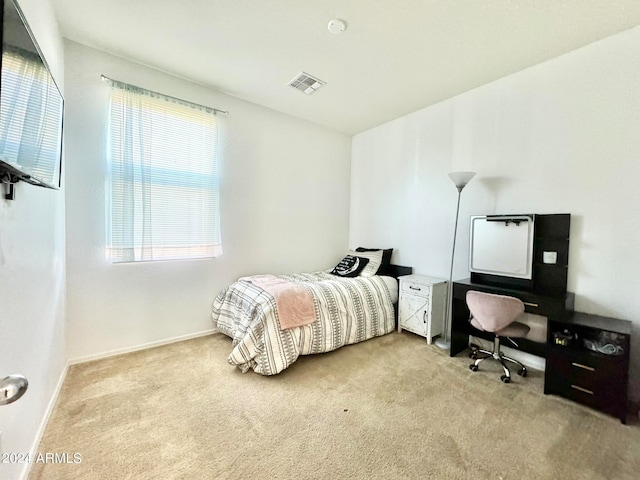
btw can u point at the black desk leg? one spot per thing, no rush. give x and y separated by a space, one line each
459 327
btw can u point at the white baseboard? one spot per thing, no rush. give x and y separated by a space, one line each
43 423
144 346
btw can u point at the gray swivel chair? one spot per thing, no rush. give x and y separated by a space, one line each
496 314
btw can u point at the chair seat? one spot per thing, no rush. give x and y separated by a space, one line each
515 330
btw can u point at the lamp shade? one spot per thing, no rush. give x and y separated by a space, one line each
460 179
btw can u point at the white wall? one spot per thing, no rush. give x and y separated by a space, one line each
284 208
561 137
32 281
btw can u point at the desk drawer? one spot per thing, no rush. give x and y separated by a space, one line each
545 307
593 380
566 358
551 306
607 400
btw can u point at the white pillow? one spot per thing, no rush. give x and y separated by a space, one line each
375 259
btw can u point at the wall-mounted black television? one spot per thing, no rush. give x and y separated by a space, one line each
31 108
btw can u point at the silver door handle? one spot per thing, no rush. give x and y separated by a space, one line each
12 388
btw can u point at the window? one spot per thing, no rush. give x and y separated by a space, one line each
164 184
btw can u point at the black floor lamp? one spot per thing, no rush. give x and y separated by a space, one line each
460 179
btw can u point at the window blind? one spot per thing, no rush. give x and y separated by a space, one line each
164 184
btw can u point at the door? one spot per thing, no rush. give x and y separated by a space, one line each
414 314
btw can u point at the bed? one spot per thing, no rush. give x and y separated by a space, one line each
345 310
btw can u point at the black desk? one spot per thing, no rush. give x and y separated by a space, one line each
574 372
554 307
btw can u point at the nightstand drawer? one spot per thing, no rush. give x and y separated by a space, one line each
415 289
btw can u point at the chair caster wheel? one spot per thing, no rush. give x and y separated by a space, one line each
473 368
505 379
473 355
522 373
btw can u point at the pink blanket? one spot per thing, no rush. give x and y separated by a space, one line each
294 302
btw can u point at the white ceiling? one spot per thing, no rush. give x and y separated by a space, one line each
395 57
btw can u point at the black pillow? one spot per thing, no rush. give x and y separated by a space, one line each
350 266
386 256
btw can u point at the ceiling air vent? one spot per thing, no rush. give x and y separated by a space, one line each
306 83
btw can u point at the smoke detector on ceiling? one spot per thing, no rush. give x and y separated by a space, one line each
306 83
337 26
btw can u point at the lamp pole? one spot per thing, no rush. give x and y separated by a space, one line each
460 179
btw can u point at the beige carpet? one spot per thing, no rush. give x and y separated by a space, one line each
389 408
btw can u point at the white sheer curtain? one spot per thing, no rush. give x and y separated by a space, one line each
164 184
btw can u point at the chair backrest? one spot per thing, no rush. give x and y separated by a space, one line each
493 312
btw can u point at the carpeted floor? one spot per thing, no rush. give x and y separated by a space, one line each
389 408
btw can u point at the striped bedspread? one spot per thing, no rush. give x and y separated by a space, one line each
349 310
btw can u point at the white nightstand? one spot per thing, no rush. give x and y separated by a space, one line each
421 305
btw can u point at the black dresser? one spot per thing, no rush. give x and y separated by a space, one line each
573 371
